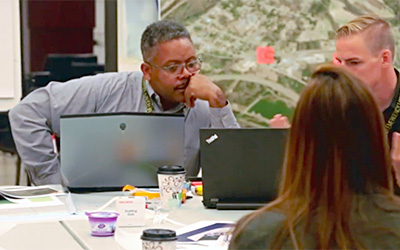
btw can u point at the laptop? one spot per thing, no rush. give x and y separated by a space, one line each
241 166
104 152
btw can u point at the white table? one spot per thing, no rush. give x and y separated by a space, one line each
73 232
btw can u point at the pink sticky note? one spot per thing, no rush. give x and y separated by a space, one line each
335 60
265 55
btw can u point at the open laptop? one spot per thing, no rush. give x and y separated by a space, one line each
240 167
103 152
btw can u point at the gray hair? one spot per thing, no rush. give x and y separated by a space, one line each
159 32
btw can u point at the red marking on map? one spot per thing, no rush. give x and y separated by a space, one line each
265 55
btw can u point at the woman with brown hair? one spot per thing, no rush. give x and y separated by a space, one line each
336 188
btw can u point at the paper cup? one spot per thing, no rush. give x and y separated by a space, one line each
170 182
164 239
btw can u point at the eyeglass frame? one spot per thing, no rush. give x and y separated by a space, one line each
183 65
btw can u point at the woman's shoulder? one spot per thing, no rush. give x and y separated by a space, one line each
271 218
260 230
377 224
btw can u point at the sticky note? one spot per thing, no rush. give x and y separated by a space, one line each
265 55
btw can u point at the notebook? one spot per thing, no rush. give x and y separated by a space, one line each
104 152
240 167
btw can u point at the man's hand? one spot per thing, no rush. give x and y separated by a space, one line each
279 121
396 155
203 88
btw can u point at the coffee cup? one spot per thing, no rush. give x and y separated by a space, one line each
170 182
158 239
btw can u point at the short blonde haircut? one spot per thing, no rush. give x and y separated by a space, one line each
377 32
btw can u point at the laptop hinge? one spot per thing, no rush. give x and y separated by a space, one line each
238 206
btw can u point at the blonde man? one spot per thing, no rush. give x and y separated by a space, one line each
365 46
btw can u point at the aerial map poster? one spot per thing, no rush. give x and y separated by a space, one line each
261 52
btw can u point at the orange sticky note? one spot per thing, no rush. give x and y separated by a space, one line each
265 55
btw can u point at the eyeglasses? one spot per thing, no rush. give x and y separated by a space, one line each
193 66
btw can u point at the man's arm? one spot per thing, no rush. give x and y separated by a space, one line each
396 156
212 110
201 87
37 117
32 137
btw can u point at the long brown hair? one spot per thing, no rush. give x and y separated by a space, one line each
337 149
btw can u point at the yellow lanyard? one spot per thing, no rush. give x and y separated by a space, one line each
149 105
393 116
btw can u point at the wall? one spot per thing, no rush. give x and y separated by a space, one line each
64 27
98 32
10 63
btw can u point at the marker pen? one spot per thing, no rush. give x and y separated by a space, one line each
53 139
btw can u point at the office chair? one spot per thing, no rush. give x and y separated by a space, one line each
60 65
35 80
80 69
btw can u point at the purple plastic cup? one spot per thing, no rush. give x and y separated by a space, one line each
102 223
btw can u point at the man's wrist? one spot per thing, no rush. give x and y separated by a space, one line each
221 100
219 104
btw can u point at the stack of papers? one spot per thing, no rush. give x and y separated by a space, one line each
22 196
205 234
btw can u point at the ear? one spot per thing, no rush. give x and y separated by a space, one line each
146 71
387 58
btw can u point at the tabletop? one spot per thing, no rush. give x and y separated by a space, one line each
54 227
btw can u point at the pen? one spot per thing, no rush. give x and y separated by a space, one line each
70 204
53 139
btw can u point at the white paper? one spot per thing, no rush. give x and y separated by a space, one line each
198 239
28 192
31 202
